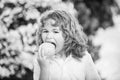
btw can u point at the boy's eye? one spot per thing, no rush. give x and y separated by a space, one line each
56 31
44 31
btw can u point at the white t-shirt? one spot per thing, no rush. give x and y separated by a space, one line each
70 69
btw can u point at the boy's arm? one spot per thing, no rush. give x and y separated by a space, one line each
36 70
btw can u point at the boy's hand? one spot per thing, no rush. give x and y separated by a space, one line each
46 52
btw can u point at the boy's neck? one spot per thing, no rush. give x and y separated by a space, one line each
61 55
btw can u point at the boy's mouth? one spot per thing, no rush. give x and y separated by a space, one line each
51 43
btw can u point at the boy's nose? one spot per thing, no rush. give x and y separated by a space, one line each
50 35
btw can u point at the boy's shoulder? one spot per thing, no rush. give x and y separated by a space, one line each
87 58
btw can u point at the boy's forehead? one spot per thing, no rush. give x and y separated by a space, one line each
50 22
51 27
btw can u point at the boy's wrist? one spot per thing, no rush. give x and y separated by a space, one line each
44 74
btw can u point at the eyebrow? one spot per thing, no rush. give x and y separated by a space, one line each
56 29
44 29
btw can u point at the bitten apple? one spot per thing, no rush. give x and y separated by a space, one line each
46 50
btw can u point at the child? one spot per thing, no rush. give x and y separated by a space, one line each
62 49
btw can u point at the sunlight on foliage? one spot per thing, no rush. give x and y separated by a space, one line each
109 62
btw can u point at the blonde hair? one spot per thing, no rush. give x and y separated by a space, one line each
75 38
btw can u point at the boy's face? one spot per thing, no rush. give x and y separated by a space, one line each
53 34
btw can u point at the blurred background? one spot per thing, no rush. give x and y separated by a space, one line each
18 23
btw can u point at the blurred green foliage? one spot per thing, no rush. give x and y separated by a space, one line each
93 14
18 24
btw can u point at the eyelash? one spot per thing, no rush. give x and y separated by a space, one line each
44 31
56 32
48 31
